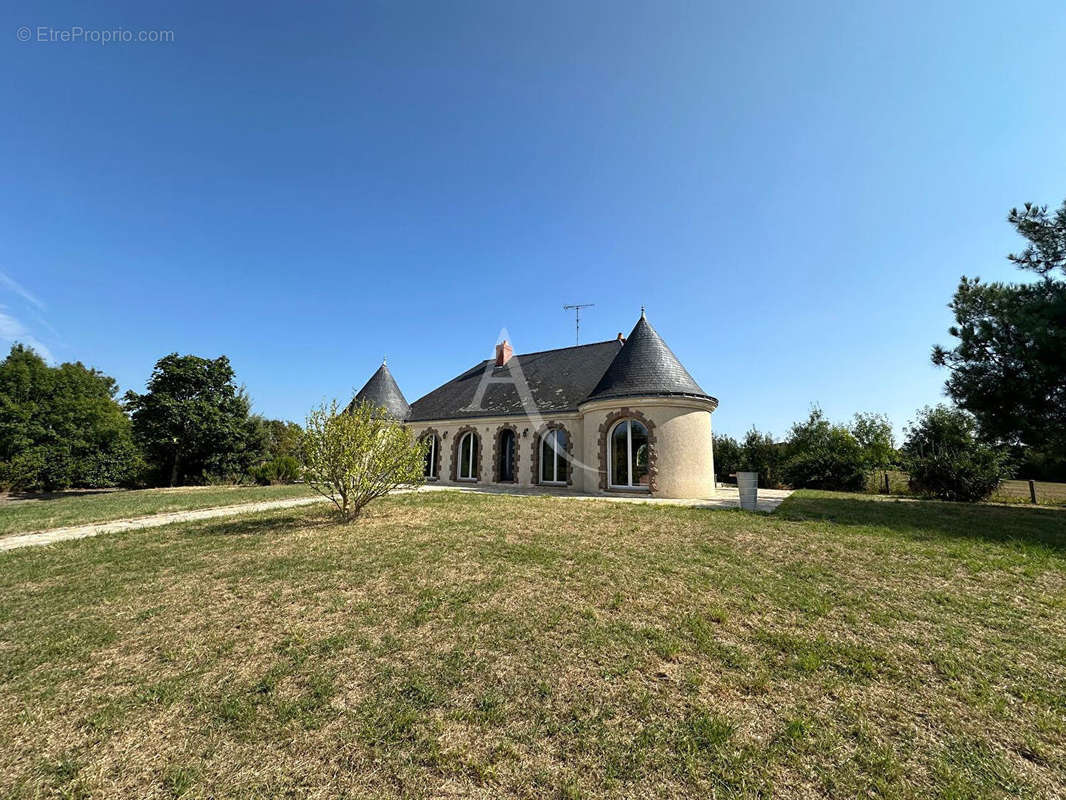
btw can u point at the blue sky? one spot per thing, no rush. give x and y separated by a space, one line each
792 190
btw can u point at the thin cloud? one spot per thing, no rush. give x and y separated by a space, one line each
43 322
11 331
20 290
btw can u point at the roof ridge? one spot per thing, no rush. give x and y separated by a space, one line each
537 353
557 379
557 349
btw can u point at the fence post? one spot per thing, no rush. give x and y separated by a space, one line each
1032 491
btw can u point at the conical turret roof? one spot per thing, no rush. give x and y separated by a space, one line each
645 366
382 390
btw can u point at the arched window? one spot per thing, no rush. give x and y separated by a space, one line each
468 455
553 456
628 455
432 467
505 454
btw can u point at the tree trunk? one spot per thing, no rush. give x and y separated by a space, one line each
174 469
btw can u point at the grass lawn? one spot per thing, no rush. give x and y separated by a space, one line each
34 515
451 644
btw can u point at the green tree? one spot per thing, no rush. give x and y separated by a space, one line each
193 421
873 432
946 459
1009 366
727 455
759 453
821 455
61 427
355 456
281 438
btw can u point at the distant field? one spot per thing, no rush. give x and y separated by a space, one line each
20 516
1047 494
457 645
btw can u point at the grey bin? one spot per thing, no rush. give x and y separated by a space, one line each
748 484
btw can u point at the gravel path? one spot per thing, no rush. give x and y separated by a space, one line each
154 521
769 499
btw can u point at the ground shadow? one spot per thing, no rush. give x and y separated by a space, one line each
19 497
259 524
923 519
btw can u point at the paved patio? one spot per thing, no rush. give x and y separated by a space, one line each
725 496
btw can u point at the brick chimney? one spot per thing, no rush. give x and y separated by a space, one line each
504 351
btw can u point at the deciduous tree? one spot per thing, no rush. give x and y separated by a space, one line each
874 434
193 420
61 427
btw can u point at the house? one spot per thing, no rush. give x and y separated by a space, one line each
621 416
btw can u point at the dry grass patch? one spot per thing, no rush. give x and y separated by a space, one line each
42 512
1048 494
463 645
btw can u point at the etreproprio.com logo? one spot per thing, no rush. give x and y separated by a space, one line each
76 34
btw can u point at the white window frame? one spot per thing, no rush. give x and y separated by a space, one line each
432 475
553 436
630 486
472 477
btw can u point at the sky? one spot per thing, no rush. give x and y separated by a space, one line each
793 190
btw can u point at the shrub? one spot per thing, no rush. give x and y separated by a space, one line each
759 453
727 456
229 478
823 456
355 456
283 469
946 460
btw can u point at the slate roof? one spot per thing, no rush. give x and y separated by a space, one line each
381 390
561 380
558 380
644 367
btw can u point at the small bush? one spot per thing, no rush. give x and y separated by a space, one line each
283 469
759 453
222 479
727 456
947 461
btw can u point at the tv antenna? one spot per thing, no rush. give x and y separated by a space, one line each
576 308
